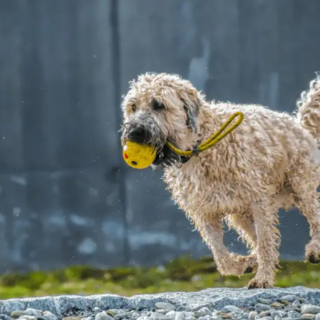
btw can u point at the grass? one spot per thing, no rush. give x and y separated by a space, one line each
183 274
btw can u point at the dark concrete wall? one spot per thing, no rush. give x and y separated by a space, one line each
65 195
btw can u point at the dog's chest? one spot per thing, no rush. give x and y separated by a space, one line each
197 191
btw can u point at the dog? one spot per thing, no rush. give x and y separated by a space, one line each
270 161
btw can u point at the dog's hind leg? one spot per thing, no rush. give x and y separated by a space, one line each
307 201
310 207
227 263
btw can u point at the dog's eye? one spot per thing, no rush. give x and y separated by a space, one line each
156 105
134 108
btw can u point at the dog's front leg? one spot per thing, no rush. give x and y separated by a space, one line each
265 217
227 263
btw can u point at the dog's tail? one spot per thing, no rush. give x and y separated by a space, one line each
309 108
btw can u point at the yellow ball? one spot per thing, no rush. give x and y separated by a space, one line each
138 156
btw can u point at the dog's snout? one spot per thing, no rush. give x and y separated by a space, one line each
138 134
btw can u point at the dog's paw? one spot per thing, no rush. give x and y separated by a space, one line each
260 283
313 252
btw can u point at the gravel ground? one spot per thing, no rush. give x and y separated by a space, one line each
212 304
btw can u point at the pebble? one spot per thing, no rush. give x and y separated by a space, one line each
232 309
27 317
294 314
103 316
289 298
47 315
309 308
171 314
318 316
264 314
253 315
296 303
266 318
17 314
262 307
4 317
180 316
309 316
165 306
277 305
33 312
264 301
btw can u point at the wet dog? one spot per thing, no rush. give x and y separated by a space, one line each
270 161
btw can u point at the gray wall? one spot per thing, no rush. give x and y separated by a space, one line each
65 195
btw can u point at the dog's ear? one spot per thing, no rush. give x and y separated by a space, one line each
191 104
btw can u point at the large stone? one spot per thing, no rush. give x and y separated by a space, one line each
213 299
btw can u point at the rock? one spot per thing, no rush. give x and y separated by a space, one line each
17 314
264 314
171 314
264 301
253 315
308 316
262 307
232 309
318 316
5 317
159 316
96 309
294 314
72 318
309 308
27 317
47 315
33 312
225 315
103 316
296 303
135 315
289 298
179 316
122 315
165 306
203 312
266 318
277 305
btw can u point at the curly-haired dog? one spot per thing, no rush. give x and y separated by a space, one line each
270 161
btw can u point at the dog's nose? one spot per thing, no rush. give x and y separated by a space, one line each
138 135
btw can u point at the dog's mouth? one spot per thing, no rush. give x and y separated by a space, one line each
165 158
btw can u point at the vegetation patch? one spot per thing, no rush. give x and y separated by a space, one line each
182 274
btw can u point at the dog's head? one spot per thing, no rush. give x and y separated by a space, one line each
160 108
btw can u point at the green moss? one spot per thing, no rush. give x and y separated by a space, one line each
182 274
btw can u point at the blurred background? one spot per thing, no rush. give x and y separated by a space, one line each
66 196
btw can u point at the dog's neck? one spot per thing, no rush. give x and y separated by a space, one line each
208 123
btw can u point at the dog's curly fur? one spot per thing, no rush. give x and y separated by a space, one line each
270 161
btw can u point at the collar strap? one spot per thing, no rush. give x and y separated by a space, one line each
214 139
